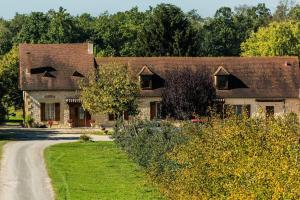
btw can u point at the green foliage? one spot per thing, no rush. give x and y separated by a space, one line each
147 143
85 138
28 121
34 29
277 39
235 158
10 94
116 35
167 31
5 37
110 89
62 27
238 158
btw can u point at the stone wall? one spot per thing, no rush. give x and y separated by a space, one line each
286 106
33 99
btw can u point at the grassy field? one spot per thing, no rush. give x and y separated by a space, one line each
93 171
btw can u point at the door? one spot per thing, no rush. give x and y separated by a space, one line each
79 116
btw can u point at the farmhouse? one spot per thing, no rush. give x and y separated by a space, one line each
49 75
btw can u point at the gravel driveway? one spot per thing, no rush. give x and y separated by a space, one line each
23 174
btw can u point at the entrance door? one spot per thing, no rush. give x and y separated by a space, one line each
79 116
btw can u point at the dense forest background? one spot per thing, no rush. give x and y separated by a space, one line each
164 30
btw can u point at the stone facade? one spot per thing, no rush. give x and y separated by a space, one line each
33 100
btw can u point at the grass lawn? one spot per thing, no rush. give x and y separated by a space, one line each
99 170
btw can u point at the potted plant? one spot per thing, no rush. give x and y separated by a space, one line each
70 122
92 122
50 123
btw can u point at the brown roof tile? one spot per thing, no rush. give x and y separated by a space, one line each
264 77
36 60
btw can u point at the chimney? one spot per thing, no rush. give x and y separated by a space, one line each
28 63
90 48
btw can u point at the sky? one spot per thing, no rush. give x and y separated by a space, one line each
205 8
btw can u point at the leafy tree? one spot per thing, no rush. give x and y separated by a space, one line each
85 24
115 35
34 29
110 89
220 34
277 39
62 27
294 13
249 19
10 95
187 93
282 11
167 31
5 37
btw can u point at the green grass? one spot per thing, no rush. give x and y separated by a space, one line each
99 170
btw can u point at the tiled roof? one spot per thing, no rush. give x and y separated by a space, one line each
263 77
60 66
51 66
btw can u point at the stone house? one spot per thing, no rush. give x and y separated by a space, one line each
49 75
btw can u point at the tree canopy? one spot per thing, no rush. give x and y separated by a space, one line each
110 90
277 39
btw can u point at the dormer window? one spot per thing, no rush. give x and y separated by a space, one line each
146 78
146 81
222 82
221 78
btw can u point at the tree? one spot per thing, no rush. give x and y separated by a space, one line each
116 35
167 31
220 34
34 29
5 37
282 10
248 19
277 39
187 93
110 90
294 13
62 27
10 95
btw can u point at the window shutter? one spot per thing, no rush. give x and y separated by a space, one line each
43 112
111 117
248 110
126 115
57 111
152 110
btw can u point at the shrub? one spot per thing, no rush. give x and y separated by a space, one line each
28 121
85 138
238 158
147 142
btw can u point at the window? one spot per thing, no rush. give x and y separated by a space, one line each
155 110
270 111
242 109
238 110
50 111
146 81
222 82
81 113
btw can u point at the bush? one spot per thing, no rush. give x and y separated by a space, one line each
147 142
28 121
238 158
85 138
